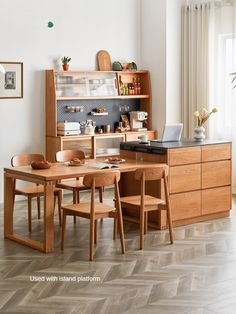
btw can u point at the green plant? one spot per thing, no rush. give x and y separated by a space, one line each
65 60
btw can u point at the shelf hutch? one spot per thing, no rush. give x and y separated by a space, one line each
89 90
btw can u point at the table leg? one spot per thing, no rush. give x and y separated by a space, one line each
49 216
8 204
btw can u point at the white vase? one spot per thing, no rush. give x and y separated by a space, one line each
199 134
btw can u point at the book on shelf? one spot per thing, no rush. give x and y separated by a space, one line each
103 165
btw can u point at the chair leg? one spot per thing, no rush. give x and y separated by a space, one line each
146 222
95 232
29 214
115 228
141 229
100 195
74 202
38 206
170 224
78 196
59 200
121 229
91 248
63 230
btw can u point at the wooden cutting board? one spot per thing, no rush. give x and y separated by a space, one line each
104 60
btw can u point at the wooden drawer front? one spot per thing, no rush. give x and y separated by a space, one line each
216 173
185 178
216 200
216 152
183 156
152 135
185 205
134 136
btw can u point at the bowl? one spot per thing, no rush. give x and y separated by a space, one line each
44 164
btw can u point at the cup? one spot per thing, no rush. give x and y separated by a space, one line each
107 128
143 138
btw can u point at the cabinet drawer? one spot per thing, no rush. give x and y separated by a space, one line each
135 136
216 200
185 178
183 156
216 173
185 205
216 152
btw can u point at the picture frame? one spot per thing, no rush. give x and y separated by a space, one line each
11 80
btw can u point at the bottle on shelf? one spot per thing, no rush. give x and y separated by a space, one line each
138 86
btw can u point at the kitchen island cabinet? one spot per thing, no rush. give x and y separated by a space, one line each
199 179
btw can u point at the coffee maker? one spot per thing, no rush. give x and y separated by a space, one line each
136 120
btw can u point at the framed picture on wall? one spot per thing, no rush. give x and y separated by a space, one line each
11 79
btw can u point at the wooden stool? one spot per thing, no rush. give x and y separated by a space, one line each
145 203
94 210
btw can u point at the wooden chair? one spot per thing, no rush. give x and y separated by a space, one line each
75 185
145 203
33 190
94 210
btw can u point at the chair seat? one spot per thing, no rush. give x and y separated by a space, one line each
35 190
72 184
151 202
84 208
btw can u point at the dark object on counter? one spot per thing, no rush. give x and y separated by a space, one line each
128 66
117 66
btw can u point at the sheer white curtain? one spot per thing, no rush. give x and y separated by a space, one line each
195 46
222 62
209 29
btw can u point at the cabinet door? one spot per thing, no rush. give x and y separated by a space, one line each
185 205
184 156
84 144
108 145
216 173
185 178
84 84
216 200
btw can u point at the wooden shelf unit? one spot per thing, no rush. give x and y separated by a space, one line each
72 79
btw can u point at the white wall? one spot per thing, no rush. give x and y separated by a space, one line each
153 55
173 57
161 54
82 27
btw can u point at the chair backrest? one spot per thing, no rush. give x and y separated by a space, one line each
151 173
68 155
101 179
25 159
155 173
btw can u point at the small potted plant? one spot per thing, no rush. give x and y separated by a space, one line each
65 63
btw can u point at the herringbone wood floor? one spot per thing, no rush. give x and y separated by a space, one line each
195 275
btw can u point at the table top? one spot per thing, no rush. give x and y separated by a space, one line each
62 171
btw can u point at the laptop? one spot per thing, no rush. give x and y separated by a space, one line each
171 133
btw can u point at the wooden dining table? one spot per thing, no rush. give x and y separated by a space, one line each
48 178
